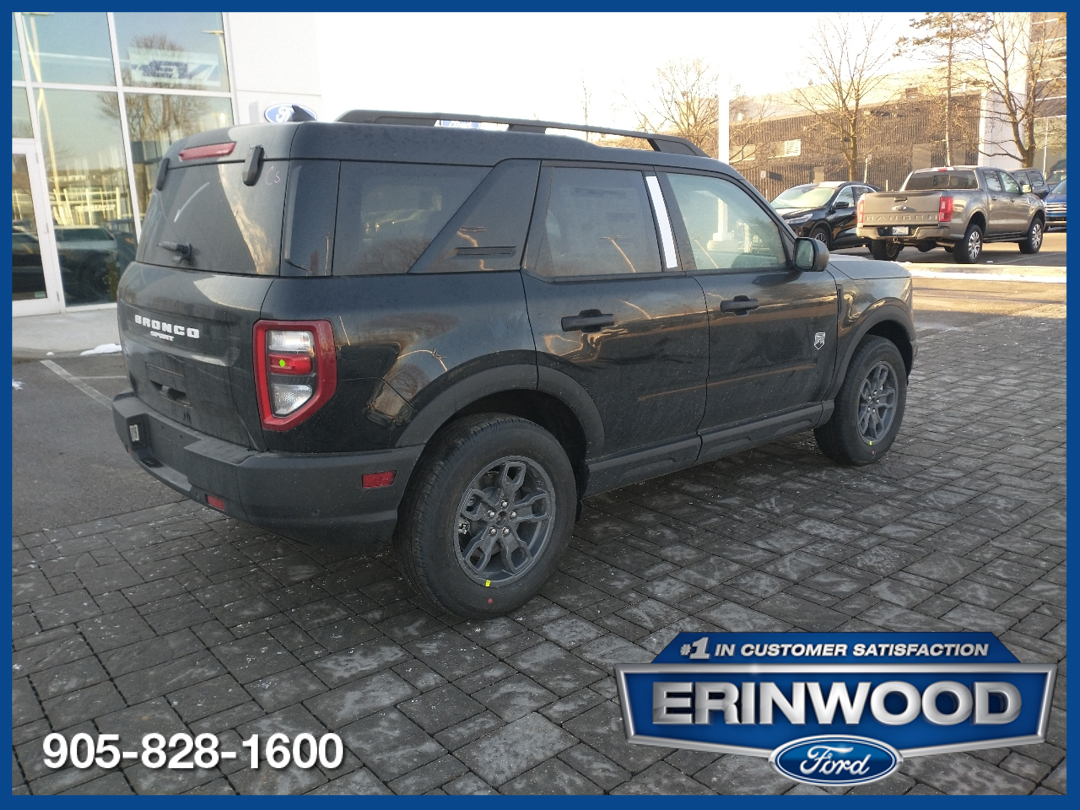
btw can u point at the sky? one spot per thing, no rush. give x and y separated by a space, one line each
481 63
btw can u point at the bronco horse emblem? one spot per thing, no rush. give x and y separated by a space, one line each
819 340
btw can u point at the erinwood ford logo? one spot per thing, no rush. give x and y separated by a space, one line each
836 708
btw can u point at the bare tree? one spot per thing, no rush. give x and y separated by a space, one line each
847 58
948 37
683 102
1023 66
747 114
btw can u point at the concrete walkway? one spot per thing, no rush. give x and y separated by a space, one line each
73 333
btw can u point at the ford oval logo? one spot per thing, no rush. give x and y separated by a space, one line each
835 760
282 113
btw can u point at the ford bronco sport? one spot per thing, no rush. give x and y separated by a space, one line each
382 330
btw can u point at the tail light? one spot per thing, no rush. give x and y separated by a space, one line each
861 211
945 209
295 370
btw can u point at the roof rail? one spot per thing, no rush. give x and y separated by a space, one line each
659 143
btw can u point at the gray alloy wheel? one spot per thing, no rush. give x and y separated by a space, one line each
877 403
504 520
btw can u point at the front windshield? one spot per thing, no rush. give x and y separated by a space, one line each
1059 188
804 197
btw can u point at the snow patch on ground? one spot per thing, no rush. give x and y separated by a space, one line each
104 348
16 385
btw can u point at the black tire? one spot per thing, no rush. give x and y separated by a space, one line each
1034 239
869 407
884 251
467 484
969 250
821 234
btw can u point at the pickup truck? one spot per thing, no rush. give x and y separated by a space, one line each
955 207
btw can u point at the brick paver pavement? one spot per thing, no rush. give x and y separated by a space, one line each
176 618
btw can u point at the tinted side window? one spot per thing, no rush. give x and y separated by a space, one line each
388 213
1011 185
846 195
310 204
488 232
598 222
993 181
725 225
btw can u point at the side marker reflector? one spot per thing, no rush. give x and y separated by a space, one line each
379 479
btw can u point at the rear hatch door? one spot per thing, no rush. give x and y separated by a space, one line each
210 249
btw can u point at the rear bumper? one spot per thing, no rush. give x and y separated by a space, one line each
316 498
919 233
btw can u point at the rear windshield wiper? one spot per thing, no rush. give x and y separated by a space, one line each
182 250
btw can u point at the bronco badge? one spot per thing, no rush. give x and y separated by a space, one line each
819 340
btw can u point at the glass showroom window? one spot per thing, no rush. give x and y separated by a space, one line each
16 53
69 47
156 121
88 190
94 79
20 114
177 51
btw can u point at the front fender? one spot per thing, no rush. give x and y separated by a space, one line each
891 317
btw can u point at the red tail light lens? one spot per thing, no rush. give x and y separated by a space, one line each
295 370
945 209
861 211
211 151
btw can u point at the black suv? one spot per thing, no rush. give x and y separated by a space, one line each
824 211
383 330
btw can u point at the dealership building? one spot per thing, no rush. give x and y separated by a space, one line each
96 100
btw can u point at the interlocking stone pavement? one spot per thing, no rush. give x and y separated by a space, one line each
177 618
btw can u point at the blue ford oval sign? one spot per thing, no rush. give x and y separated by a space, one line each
835 760
283 113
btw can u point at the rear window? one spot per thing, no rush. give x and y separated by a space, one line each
230 227
388 213
928 181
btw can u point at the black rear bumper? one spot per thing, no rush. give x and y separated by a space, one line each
316 498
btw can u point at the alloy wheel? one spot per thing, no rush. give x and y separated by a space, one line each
504 520
877 403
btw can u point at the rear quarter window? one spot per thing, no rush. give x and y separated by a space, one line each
388 213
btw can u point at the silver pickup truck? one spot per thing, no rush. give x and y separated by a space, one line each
954 207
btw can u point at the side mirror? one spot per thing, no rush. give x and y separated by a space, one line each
841 204
810 255
1025 188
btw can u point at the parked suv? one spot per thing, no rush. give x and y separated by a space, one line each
824 211
379 330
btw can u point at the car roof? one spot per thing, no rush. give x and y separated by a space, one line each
396 142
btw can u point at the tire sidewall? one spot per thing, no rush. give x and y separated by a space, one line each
874 350
436 522
821 230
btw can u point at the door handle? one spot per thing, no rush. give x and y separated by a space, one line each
588 320
740 305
